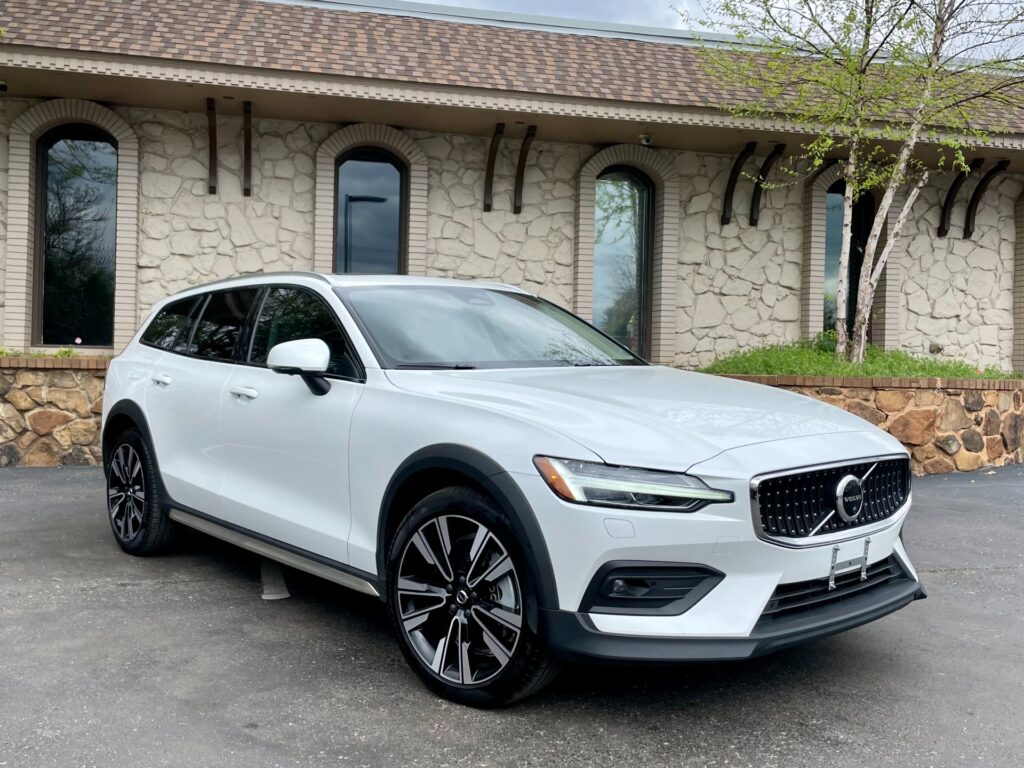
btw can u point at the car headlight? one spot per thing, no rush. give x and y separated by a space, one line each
603 485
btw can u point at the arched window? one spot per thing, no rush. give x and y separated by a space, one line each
863 216
75 253
371 204
623 228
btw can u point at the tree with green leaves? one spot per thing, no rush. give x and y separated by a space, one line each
895 89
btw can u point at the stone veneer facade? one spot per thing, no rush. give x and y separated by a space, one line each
735 286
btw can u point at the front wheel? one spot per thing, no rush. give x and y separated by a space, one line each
137 518
457 596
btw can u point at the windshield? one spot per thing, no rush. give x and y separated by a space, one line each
428 326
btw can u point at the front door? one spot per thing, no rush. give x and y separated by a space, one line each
286 449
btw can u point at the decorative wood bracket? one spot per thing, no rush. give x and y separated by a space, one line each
734 174
762 176
247 148
972 206
211 127
951 193
492 155
524 150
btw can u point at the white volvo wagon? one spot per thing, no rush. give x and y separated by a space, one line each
518 488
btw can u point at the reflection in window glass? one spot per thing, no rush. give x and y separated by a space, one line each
221 322
289 314
468 326
369 213
621 237
165 326
863 213
79 198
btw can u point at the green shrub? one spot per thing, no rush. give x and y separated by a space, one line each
816 357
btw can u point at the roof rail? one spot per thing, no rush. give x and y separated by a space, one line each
283 273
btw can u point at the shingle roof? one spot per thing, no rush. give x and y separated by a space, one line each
288 37
321 41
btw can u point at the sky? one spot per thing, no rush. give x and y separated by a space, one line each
650 13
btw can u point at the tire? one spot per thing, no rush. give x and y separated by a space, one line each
457 577
134 504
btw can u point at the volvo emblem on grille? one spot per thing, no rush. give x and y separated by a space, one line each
849 498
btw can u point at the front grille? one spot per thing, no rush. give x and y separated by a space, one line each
803 596
793 505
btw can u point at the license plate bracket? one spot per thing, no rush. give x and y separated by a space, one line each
840 568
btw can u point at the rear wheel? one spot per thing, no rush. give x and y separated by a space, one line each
140 524
457 595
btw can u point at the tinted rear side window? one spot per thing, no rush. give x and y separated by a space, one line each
168 323
220 324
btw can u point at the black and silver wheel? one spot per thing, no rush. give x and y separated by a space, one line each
458 596
137 519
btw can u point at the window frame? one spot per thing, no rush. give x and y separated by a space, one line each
370 153
253 320
63 132
645 270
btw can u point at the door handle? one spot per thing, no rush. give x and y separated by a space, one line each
244 393
162 380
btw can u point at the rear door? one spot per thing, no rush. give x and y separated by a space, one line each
183 400
286 449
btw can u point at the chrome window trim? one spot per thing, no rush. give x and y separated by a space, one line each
827 539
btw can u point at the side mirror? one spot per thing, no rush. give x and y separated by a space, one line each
307 358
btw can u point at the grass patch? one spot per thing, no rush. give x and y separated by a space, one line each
817 358
62 352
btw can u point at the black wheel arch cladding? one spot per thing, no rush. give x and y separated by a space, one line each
488 475
121 413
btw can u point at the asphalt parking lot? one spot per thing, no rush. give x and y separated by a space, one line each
108 660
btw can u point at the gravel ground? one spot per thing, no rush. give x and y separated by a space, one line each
108 660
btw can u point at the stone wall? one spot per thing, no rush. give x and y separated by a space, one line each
739 286
948 425
532 249
50 411
957 293
189 236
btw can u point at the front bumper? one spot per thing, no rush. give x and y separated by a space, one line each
731 621
573 637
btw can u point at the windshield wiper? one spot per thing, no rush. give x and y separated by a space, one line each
593 365
436 367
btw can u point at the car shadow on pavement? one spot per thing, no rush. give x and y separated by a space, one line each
851 662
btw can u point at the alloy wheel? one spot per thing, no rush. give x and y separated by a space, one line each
126 492
459 600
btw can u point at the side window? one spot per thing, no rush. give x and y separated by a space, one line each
220 324
165 326
289 314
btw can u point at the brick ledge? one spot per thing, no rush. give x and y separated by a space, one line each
55 363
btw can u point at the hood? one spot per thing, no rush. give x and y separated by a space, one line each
648 416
